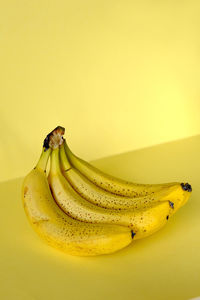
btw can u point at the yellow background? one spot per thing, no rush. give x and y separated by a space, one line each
119 76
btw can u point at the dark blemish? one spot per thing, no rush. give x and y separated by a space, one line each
167 217
171 204
132 234
67 169
186 187
45 171
145 230
34 168
46 141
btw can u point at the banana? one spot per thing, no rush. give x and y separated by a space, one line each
61 231
105 199
143 222
116 185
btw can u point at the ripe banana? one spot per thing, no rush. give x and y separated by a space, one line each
61 231
116 185
143 222
105 199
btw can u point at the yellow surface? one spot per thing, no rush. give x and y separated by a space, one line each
119 75
162 267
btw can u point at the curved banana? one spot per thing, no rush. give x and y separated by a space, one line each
61 231
105 199
143 222
116 185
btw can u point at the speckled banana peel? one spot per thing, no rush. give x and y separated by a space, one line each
143 221
115 185
58 229
84 212
100 197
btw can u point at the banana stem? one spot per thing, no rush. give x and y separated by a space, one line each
55 162
68 151
65 164
55 138
43 160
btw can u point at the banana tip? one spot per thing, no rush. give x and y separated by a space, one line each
186 187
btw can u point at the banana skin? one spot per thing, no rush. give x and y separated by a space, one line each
98 196
116 185
58 229
93 213
143 222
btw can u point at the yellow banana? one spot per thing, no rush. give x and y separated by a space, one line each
116 185
105 199
144 222
61 231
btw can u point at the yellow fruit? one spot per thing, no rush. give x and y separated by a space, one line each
116 185
96 195
61 231
143 221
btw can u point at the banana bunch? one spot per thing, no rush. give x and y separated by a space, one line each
83 211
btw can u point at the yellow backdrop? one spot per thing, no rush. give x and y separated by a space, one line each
119 75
